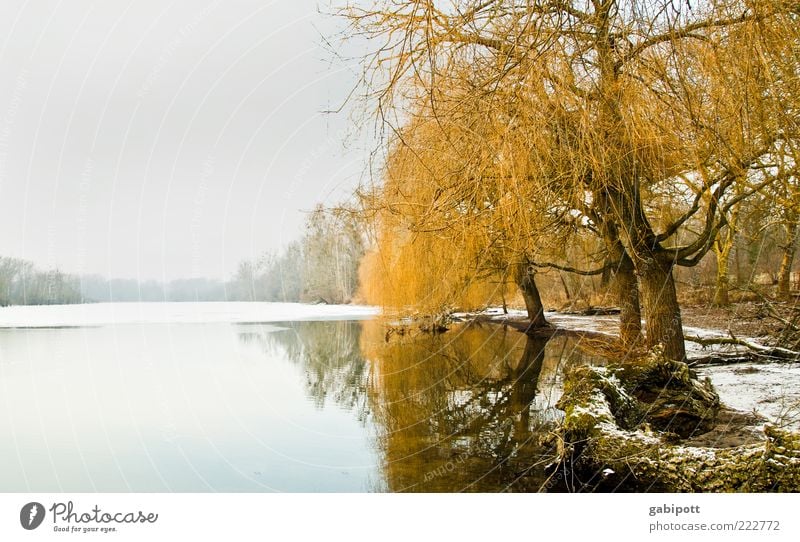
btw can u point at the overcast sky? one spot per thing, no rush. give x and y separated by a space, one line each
158 139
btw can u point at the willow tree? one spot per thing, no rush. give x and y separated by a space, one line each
459 189
433 250
629 99
421 262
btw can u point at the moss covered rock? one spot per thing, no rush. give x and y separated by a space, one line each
622 422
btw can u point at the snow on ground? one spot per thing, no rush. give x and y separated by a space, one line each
769 389
100 314
599 324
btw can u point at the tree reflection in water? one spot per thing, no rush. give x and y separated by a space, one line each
329 355
466 410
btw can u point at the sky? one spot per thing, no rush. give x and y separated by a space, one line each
151 139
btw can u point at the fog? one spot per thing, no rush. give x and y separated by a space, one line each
151 140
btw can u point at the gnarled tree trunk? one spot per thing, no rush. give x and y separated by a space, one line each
630 318
626 284
661 310
524 276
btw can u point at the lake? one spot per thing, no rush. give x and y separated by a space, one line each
253 397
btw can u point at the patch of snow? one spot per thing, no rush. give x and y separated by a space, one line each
608 324
101 314
493 312
460 398
770 389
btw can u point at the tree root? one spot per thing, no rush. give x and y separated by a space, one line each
620 429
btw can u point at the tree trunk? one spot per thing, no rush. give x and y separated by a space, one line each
566 288
630 317
723 245
524 276
605 277
722 283
662 312
789 249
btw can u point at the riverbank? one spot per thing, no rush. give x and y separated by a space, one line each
755 393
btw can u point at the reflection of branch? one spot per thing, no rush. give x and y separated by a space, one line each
523 379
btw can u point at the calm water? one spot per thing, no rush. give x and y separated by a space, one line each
234 405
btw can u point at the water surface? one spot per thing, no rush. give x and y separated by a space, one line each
324 401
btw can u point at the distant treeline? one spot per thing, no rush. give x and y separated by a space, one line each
320 267
22 283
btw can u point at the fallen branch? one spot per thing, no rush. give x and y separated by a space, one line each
728 359
768 351
594 311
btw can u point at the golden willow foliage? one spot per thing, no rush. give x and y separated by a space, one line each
423 275
458 208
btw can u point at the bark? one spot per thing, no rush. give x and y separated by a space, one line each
630 318
787 260
605 445
525 279
662 312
